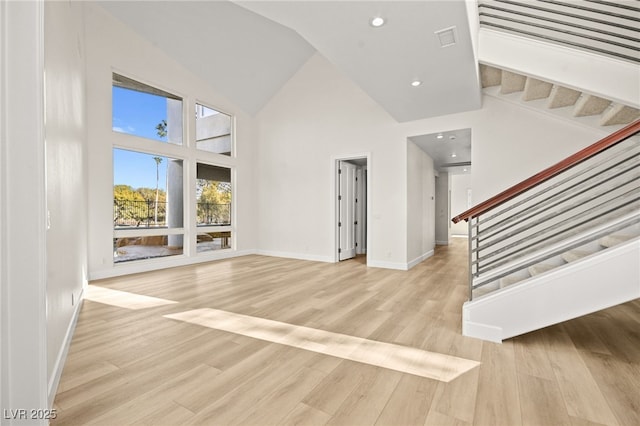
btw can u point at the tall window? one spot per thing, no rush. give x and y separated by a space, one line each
152 213
213 207
148 199
147 195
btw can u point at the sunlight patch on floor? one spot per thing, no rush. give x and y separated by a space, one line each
405 359
123 299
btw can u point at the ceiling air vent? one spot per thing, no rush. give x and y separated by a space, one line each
447 36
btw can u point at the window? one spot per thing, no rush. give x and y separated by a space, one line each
213 130
213 207
144 111
143 247
147 194
153 215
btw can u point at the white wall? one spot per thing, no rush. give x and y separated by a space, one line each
520 144
65 135
111 46
23 350
318 116
442 207
460 185
420 205
510 143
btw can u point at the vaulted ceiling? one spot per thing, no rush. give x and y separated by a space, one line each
247 50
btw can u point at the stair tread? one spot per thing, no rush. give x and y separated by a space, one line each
536 89
620 114
590 105
512 82
540 268
562 97
510 280
573 255
568 103
490 76
485 289
612 240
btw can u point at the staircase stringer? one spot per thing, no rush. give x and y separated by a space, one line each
606 279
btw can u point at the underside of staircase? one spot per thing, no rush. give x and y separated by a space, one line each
555 99
550 294
592 30
581 279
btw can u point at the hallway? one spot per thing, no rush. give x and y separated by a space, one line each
129 364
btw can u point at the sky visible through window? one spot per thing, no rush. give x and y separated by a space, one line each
138 170
138 113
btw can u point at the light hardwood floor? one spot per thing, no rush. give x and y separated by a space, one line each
135 366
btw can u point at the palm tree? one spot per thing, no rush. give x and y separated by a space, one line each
161 130
158 160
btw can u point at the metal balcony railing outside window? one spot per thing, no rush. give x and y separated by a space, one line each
143 214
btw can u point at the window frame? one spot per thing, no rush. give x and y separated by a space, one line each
190 156
158 92
216 228
232 129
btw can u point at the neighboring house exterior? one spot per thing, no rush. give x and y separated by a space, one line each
287 149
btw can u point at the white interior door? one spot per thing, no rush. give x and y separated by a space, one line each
361 210
347 210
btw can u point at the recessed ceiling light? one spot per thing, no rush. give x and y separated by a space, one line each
452 137
464 170
439 136
453 155
416 83
377 21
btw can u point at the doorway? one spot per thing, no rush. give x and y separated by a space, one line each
351 186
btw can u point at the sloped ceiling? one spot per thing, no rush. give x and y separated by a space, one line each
242 55
247 50
384 61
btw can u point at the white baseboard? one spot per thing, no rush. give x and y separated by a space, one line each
54 379
298 256
162 263
419 259
387 265
165 262
442 243
370 263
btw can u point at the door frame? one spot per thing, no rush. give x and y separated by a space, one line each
334 198
347 212
26 381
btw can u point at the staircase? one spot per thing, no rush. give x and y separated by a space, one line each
599 28
584 253
555 99
561 244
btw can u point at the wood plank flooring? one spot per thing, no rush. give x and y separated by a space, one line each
131 365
